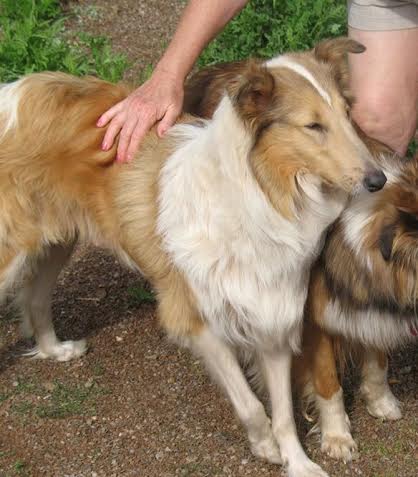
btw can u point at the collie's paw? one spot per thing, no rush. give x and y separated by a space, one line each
385 407
304 467
60 351
339 446
267 449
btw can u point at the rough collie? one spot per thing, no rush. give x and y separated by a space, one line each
225 217
364 288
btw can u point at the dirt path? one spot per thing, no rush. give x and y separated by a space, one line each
136 405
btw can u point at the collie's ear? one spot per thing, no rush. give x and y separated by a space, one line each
386 238
254 95
335 49
204 90
335 53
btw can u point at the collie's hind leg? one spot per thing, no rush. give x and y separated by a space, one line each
277 370
224 367
336 439
35 302
380 401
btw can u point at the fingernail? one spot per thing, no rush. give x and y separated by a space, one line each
129 157
99 123
105 146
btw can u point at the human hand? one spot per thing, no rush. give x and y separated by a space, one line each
158 99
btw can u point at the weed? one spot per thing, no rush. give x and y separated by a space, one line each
61 401
33 38
67 400
266 28
23 408
412 149
139 295
99 370
4 397
20 467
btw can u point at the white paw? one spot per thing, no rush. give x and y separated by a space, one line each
340 446
60 351
267 449
385 407
304 467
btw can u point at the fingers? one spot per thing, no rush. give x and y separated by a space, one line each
140 118
137 136
168 120
110 114
115 116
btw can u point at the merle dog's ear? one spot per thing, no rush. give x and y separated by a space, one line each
254 94
335 53
386 238
410 220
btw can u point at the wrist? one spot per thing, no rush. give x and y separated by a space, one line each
172 71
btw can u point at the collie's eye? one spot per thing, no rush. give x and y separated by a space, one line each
315 127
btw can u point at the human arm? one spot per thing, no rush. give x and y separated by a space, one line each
161 97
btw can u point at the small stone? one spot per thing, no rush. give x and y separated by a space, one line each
406 370
119 339
101 294
159 455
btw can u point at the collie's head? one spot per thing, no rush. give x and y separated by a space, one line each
297 108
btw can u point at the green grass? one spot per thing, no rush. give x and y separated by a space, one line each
266 28
66 400
33 38
138 295
61 400
20 467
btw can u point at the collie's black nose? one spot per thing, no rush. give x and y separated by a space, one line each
374 180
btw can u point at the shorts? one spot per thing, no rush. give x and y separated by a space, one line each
383 15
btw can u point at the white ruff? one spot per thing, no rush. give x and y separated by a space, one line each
10 95
247 265
286 62
371 328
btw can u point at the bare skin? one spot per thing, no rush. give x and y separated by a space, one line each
160 99
384 80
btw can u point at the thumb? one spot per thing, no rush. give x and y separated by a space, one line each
167 121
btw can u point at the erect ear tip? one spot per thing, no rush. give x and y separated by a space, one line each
334 47
356 47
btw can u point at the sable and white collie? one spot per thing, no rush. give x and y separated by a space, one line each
363 295
363 302
225 217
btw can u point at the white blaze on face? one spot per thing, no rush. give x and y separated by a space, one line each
286 62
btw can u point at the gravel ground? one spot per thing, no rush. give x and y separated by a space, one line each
136 405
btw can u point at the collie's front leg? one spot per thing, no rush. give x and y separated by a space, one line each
224 367
277 367
380 401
